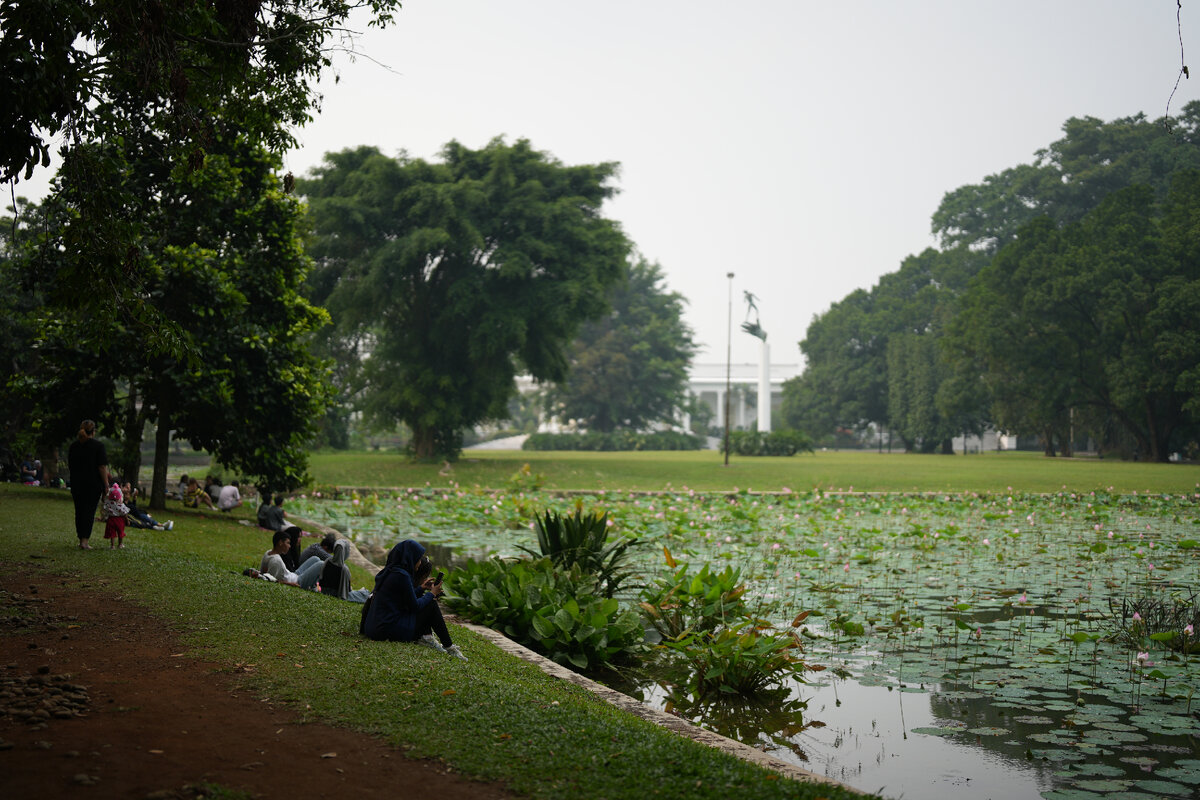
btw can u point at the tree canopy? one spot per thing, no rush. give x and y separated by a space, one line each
162 271
629 369
448 278
1056 305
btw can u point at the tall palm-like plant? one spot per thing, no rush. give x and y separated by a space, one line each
582 540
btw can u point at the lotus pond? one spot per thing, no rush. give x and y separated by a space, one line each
985 645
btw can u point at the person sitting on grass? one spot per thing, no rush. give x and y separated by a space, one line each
322 549
229 498
273 564
404 606
138 518
335 575
274 518
194 498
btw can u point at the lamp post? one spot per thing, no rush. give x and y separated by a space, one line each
728 362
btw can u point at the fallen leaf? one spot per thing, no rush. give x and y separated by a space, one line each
448 692
157 752
328 755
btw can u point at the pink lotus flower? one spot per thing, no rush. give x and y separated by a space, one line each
1137 617
1022 599
1187 629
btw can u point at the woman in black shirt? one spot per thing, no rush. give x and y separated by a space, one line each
88 462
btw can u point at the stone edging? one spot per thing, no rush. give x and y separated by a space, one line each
677 725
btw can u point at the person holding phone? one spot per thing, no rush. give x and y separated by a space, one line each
404 606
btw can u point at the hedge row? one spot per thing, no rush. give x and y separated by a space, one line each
617 440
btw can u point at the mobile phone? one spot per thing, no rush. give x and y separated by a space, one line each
437 581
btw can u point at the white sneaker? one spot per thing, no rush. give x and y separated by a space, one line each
455 651
168 525
429 641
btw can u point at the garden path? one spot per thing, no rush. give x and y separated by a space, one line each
95 692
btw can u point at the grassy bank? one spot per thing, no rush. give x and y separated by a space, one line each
496 717
704 471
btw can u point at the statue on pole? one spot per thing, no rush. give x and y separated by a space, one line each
753 328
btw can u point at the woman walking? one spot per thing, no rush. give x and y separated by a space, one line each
88 462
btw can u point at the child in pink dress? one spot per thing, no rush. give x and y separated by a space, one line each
115 511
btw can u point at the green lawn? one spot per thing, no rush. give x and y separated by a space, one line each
704 471
496 717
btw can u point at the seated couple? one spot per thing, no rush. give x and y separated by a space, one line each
404 606
331 574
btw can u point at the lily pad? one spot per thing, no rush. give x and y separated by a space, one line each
933 731
986 731
1164 787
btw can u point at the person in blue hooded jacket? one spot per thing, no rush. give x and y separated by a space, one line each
404 605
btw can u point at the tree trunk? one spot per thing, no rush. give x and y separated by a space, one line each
948 446
130 452
1154 438
423 443
162 450
1048 443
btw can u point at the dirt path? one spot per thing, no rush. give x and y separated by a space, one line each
97 700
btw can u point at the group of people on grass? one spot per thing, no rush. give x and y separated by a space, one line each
403 607
213 495
93 484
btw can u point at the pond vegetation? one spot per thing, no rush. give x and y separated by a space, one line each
1050 637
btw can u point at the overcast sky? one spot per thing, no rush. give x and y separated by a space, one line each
801 145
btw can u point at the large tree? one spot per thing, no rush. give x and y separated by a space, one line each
629 369
226 269
169 273
1095 315
167 80
456 275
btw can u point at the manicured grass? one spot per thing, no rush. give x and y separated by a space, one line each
704 471
496 717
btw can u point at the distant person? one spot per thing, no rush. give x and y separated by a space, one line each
404 606
212 487
272 564
229 497
139 518
115 512
322 549
193 497
27 473
181 490
88 462
274 518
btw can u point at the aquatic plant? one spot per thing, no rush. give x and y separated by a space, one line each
581 540
556 612
682 602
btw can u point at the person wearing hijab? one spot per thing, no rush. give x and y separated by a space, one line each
88 461
404 605
335 575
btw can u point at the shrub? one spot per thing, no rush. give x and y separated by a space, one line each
775 443
740 659
581 541
526 480
617 440
684 603
556 612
